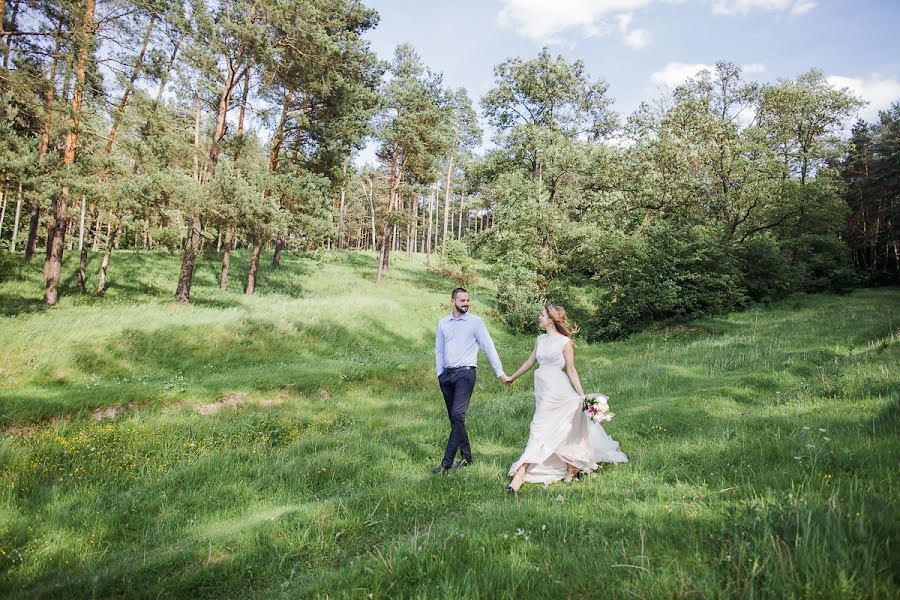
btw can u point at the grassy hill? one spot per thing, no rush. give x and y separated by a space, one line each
281 445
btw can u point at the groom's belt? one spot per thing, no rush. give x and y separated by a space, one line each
466 368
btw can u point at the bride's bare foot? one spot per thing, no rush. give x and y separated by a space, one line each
571 473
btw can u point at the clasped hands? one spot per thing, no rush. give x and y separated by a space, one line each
506 380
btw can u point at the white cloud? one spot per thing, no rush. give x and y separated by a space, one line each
634 38
879 92
801 8
743 7
676 73
543 20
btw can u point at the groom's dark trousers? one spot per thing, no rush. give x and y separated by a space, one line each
457 385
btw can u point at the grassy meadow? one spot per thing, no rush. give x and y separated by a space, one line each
281 445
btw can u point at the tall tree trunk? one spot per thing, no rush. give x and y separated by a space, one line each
81 224
240 129
192 243
196 154
274 158
82 269
3 195
83 258
171 67
219 131
15 231
60 210
129 88
371 193
446 207
226 260
234 73
49 97
34 221
254 267
9 40
431 202
95 238
185 278
411 242
340 236
396 173
279 246
82 249
110 243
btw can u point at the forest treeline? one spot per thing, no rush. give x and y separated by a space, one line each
200 127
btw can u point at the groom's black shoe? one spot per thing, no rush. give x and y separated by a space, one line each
440 470
463 462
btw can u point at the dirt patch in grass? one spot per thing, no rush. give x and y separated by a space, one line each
26 429
234 400
113 411
19 430
230 400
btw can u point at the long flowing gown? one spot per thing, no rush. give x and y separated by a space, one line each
560 431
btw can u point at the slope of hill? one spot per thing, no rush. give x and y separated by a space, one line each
281 445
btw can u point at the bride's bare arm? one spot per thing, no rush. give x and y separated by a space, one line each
569 354
525 365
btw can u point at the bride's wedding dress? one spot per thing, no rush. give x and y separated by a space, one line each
560 431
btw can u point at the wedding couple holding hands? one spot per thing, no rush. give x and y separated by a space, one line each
564 440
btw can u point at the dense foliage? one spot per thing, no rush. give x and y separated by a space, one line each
204 127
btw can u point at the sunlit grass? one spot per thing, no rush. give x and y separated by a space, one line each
280 445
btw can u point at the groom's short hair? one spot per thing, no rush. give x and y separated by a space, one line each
457 292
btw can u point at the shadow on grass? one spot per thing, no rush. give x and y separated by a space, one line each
14 305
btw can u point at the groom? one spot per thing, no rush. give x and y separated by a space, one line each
459 336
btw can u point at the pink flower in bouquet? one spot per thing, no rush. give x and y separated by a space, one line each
597 407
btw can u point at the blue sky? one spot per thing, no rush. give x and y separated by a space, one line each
643 47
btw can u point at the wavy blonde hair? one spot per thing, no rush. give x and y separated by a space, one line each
558 315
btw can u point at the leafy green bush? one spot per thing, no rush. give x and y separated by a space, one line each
766 274
519 298
456 253
823 263
168 238
457 265
666 274
9 266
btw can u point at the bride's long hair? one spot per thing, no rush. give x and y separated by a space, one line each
561 320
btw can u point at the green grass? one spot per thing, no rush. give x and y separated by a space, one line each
763 446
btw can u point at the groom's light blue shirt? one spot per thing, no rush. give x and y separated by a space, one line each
457 343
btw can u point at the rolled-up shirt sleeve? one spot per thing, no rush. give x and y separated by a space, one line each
487 344
439 350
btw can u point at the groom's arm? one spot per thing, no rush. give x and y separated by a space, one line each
439 351
487 344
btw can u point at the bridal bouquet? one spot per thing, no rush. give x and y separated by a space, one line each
597 407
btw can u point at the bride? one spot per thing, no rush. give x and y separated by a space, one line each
563 441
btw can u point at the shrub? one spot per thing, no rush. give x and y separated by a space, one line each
456 253
9 266
823 263
168 238
519 298
766 274
666 274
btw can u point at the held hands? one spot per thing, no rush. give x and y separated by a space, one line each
506 380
